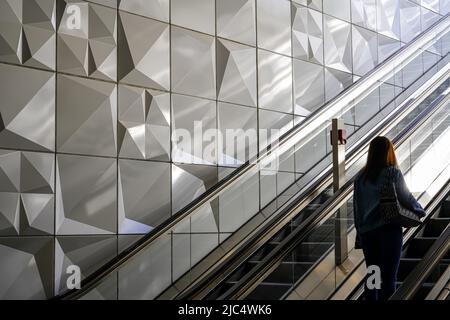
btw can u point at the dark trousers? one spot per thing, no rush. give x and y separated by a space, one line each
382 247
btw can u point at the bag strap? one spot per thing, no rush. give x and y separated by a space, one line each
390 174
387 186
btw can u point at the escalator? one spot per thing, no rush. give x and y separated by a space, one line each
297 255
297 210
425 242
441 287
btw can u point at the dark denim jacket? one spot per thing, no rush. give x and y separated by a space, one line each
366 199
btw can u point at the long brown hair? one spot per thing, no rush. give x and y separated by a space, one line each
381 155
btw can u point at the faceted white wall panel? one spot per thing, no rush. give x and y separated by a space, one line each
191 117
87 116
335 82
274 26
144 52
25 38
91 50
365 53
409 20
86 195
236 73
27 109
388 18
156 9
237 123
309 87
194 14
144 195
95 121
307 34
364 13
193 70
275 81
144 124
338 44
236 20
339 9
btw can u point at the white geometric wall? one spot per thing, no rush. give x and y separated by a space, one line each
86 115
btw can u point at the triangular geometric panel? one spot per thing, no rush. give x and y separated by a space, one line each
28 35
144 195
11 30
87 116
26 193
157 142
365 50
86 194
190 116
309 87
9 171
335 82
27 112
37 214
37 173
193 70
388 18
307 34
144 116
144 52
92 50
239 128
236 73
9 213
338 44
72 54
190 181
34 113
155 9
88 253
236 20
26 267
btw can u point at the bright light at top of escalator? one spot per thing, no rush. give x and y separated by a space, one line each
430 165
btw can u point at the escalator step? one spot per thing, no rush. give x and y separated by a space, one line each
407 265
437 272
269 291
288 272
242 271
305 213
418 247
265 250
324 233
405 268
310 251
218 291
435 227
445 209
423 291
282 234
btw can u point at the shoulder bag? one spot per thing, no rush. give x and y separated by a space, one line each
391 209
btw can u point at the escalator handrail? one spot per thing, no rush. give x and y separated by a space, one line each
247 283
298 136
441 289
355 152
420 273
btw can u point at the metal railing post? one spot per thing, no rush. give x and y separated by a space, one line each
338 141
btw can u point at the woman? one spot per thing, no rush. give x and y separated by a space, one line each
381 242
